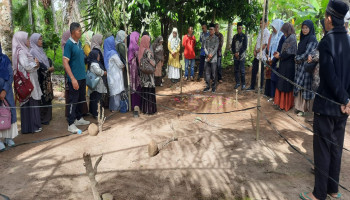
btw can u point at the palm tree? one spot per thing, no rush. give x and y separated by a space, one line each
6 26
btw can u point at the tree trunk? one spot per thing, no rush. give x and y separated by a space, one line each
30 15
54 15
229 36
6 26
214 16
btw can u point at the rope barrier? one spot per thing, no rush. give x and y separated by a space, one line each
189 112
300 87
307 128
299 152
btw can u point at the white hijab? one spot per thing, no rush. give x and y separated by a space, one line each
174 41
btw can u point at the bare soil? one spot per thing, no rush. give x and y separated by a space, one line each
215 157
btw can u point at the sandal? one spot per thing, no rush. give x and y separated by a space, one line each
337 197
304 196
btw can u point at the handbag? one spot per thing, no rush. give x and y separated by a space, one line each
124 103
5 116
145 66
22 85
92 79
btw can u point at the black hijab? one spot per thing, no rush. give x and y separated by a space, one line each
4 64
306 39
92 58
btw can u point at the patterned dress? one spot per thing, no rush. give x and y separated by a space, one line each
148 87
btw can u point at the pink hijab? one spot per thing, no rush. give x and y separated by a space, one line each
133 46
145 44
19 41
65 38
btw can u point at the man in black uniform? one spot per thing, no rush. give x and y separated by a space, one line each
330 118
239 47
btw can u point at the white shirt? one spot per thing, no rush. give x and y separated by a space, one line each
115 75
266 37
27 67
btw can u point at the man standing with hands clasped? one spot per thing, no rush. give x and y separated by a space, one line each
239 47
211 47
73 61
330 118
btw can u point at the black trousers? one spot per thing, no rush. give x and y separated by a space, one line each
75 96
255 72
240 71
201 66
219 69
95 98
211 73
327 156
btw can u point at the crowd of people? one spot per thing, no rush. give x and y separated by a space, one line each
98 68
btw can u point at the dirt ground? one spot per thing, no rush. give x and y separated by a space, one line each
215 157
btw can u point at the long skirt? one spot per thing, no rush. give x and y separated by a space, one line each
268 88
10 133
174 73
30 117
114 103
148 100
302 104
284 100
136 98
46 113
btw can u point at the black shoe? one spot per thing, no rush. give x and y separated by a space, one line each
206 89
173 80
250 89
45 123
243 87
237 86
213 90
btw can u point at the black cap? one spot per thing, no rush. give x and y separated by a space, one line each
239 24
211 25
337 8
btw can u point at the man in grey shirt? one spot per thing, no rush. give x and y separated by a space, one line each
211 47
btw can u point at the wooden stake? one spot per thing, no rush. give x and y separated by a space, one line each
100 117
181 80
126 53
236 103
259 79
91 173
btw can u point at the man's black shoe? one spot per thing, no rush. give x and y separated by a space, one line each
206 89
250 89
237 86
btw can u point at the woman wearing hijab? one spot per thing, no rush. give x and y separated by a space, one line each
30 115
158 51
96 44
135 83
308 43
87 46
6 93
174 56
120 46
87 49
95 94
148 87
65 38
284 97
114 67
44 74
313 66
275 44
